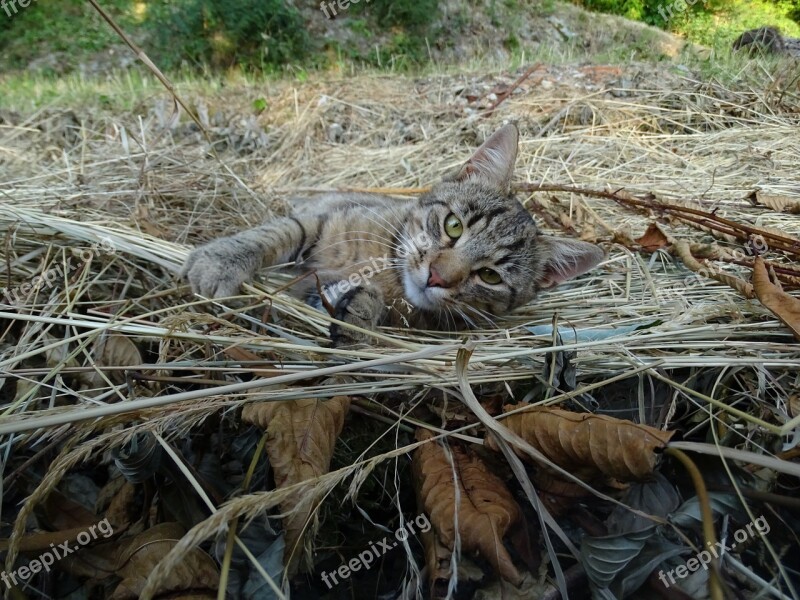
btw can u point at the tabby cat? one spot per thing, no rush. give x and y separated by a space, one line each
463 253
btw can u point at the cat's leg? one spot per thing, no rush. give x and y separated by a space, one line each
362 306
219 268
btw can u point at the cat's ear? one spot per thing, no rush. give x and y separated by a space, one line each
566 258
493 162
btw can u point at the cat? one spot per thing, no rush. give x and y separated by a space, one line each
465 252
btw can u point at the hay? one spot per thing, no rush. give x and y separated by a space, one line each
71 180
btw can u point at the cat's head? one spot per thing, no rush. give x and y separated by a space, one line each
473 244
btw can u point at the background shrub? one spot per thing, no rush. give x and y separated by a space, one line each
224 33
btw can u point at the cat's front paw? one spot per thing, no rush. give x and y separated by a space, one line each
362 307
218 269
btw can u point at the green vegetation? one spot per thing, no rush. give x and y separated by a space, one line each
51 27
260 34
709 22
265 36
254 35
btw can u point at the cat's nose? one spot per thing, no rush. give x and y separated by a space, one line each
436 280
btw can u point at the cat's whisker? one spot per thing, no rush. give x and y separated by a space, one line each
394 228
481 313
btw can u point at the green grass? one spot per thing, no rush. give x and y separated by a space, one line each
71 27
719 29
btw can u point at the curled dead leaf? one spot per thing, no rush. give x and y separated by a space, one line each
588 445
653 239
684 252
113 350
778 202
301 435
558 495
196 572
485 511
782 305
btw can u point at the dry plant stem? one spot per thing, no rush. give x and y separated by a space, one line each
778 242
233 525
62 418
151 585
177 100
505 95
789 502
714 582
681 248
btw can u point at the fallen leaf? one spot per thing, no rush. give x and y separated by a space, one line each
558 495
783 306
115 350
301 435
486 510
653 239
778 202
588 445
196 572
683 251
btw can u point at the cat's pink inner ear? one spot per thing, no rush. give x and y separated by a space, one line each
565 259
493 162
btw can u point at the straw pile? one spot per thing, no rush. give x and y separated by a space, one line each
111 203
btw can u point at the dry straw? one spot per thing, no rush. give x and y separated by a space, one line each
73 180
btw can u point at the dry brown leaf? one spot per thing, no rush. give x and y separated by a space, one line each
116 350
301 435
486 508
124 506
784 306
59 355
59 512
794 405
778 202
196 571
683 250
588 445
653 239
558 496
438 560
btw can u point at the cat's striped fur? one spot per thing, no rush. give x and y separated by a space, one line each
465 252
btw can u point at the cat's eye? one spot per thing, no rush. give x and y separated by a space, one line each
453 226
489 276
